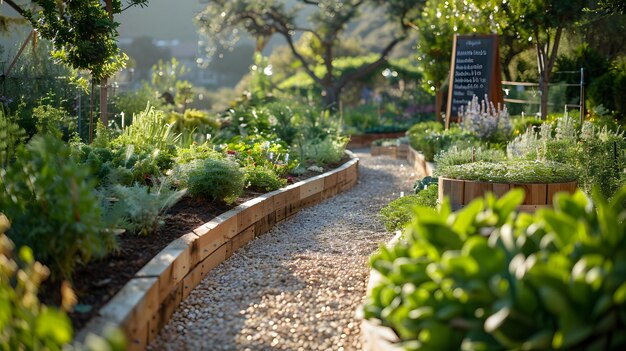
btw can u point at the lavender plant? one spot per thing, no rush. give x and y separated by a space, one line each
485 120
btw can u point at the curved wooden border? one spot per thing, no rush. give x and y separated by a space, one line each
148 301
538 195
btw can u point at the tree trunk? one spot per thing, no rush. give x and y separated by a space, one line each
544 89
330 98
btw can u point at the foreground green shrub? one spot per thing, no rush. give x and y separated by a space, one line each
53 206
398 213
263 180
218 180
484 278
511 172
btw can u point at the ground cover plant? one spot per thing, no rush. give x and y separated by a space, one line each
398 213
487 278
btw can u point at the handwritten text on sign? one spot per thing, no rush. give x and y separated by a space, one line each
472 70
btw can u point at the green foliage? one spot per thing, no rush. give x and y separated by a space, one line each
422 184
256 151
148 132
458 156
608 90
398 213
322 152
26 324
143 207
218 180
51 120
11 136
53 207
430 141
263 179
134 102
196 152
484 278
83 35
521 171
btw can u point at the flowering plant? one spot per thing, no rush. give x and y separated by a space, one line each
485 120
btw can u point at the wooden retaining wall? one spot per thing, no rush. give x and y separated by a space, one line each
148 301
359 141
538 195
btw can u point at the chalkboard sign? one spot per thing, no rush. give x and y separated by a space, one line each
474 70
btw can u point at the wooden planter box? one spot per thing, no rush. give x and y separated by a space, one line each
148 301
399 152
359 141
538 195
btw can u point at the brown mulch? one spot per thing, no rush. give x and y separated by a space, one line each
96 283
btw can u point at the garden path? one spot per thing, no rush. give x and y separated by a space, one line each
298 286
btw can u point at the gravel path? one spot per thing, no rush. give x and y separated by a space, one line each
298 286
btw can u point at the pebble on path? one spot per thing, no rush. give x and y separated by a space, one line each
298 286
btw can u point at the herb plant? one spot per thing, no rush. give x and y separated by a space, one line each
398 213
511 172
215 179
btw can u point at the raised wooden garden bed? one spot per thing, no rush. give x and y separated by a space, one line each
148 301
359 141
538 195
396 151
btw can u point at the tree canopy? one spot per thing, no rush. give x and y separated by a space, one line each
223 20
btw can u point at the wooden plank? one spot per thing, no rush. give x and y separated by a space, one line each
137 338
168 307
242 238
473 190
527 192
554 188
311 187
454 189
249 213
330 181
132 306
328 193
202 269
170 265
311 200
499 189
539 194
212 235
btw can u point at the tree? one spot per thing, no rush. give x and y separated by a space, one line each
546 20
83 33
436 27
221 20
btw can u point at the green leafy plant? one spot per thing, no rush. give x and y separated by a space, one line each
196 152
398 213
263 179
11 136
143 207
457 156
431 142
148 132
511 172
484 278
426 182
53 206
321 152
216 179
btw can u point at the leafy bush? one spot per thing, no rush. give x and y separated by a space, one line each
511 172
218 180
263 179
53 206
11 135
431 142
486 121
143 207
424 127
257 151
398 213
321 152
456 156
53 121
196 152
486 279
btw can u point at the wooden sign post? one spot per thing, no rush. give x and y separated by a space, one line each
474 70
